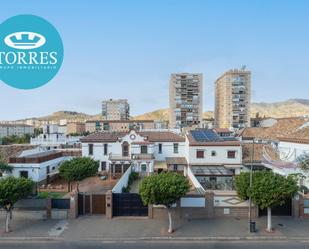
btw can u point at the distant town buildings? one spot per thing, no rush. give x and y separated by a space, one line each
185 99
76 128
232 99
115 109
118 125
15 130
55 136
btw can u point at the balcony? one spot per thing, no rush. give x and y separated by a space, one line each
119 157
148 156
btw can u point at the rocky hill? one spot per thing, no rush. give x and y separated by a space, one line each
289 108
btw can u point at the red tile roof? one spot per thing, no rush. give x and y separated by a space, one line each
284 128
152 136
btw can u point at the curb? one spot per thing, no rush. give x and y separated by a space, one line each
159 239
208 238
29 239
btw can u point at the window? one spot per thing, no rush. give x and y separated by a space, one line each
125 149
160 148
231 154
213 153
175 148
143 149
105 149
23 174
199 154
90 149
175 167
103 166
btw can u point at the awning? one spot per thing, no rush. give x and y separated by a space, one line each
176 160
211 171
160 165
233 166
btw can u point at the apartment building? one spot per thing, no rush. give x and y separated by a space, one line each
233 99
185 99
115 109
15 130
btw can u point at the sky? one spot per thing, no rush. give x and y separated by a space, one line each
128 49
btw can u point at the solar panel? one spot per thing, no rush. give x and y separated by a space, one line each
205 135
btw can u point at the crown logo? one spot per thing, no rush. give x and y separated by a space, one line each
25 40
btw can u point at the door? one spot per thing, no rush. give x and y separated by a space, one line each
98 204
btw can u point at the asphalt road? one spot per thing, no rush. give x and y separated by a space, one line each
156 245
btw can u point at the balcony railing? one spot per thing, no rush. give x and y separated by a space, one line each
148 156
119 157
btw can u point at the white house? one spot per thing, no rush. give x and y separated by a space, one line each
37 164
213 159
146 151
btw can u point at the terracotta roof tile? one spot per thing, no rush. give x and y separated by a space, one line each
152 136
283 128
258 152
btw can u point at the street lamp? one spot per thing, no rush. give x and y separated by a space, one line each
252 223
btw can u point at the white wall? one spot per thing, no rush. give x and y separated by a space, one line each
37 171
123 181
219 158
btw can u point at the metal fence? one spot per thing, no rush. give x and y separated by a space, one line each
60 203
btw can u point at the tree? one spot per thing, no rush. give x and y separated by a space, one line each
11 190
5 168
78 169
303 162
268 189
164 189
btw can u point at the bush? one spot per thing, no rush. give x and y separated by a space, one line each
132 177
125 189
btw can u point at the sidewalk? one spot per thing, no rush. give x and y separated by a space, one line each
97 227
29 228
100 228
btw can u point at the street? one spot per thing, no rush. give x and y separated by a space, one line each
155 245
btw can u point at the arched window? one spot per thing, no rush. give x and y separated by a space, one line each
125 149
